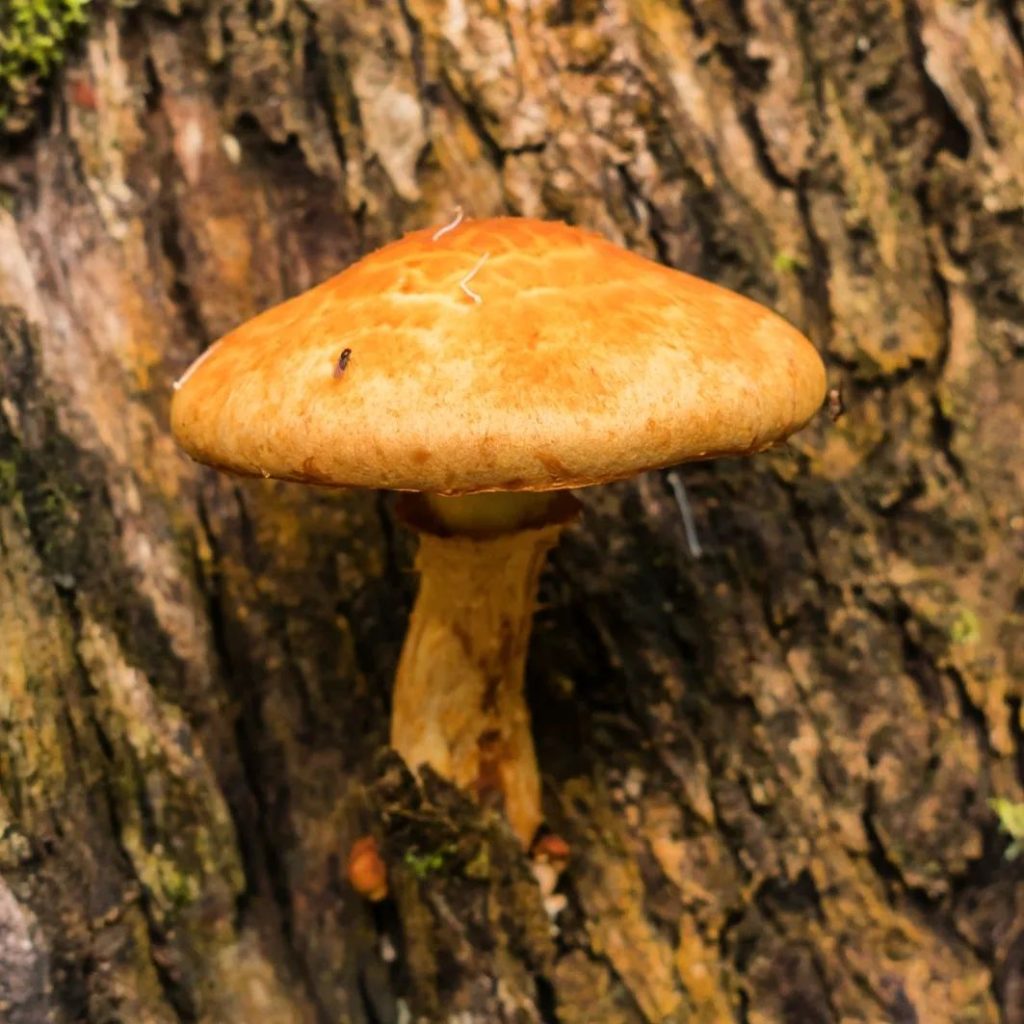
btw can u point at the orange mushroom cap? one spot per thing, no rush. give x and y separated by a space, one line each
502 354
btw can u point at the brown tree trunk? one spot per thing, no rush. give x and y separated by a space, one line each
772 763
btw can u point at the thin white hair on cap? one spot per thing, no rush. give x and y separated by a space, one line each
195 366
451 226
464 283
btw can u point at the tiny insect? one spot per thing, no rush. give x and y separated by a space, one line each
836 406
339 370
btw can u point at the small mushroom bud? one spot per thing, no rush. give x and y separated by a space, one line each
550 855
551 848
366 871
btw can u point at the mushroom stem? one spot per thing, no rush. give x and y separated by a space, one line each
494 512
458 701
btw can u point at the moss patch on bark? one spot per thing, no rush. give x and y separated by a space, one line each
34 37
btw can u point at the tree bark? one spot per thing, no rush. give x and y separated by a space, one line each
772 763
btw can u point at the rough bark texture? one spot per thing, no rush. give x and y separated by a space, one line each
772 763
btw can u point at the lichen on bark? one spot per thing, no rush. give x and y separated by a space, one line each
34 38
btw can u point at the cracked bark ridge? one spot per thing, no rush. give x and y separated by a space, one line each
771 764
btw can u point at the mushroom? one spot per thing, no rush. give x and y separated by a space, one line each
366 871
486 368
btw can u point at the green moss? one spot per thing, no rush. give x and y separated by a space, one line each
424 864
1011 819
786 263
34 35
8 481
479 866
965 629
